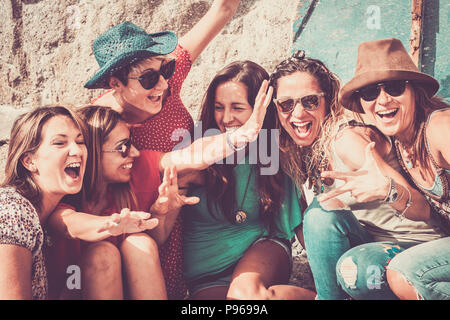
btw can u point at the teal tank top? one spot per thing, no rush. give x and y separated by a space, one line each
212 245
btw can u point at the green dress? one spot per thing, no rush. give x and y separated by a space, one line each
210 245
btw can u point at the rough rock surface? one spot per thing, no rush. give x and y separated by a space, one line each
46 56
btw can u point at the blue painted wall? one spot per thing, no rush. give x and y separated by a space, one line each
331 30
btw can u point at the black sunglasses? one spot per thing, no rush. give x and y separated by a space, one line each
124 149
394 88
309 102
149 79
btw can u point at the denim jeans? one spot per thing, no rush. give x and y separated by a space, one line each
427 268
328 235
361 271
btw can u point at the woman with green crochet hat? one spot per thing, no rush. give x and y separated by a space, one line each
145 73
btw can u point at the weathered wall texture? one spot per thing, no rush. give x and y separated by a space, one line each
46 45
46 56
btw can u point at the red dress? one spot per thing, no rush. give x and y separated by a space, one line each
163 132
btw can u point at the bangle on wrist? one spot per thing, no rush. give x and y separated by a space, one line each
231 145
401 215
392 195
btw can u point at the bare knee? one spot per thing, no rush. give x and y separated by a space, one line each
348 270
140 241
402 288
101 258
249 292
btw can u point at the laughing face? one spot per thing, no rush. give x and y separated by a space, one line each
116 167
59 163
136 99
231 107
394 116
302 125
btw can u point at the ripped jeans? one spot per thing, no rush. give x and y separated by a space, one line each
427 268
343 258
361 271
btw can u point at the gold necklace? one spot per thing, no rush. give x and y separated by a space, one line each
240 214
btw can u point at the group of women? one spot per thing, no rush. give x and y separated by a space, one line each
102 186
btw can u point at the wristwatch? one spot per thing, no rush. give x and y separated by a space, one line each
392 195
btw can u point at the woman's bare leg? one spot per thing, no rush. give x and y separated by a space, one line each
400 286
261 272
142 268
101 272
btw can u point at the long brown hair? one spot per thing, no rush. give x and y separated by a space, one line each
424 106
25 138
100 121
220 181
297 161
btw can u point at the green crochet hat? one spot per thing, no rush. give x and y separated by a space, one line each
124 44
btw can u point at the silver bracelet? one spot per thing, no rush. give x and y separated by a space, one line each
231 145
392 195
401 215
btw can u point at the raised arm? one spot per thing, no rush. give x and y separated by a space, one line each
90 227
371 178
208 150
208 26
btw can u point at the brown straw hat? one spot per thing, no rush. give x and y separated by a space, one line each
383 60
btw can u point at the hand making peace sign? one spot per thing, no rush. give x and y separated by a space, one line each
366 184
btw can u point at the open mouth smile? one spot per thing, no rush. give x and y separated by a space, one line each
155 98
127 166
302 129
73 170
387 114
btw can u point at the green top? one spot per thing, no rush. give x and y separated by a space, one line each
211 245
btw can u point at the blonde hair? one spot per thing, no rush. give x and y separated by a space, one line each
25 138
100 121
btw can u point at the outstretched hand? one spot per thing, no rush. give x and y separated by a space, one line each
366 184
250 130
169 197
128 222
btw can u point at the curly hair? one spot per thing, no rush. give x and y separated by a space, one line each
297 161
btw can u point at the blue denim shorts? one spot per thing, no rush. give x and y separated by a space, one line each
223 278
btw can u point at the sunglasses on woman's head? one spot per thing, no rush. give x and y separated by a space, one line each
149 79
309 102
124 149
394 88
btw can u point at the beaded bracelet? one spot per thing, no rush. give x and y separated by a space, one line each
231 145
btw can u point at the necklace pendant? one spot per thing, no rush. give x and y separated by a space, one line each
241 216
407 158
408 164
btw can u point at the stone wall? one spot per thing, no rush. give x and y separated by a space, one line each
46 55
